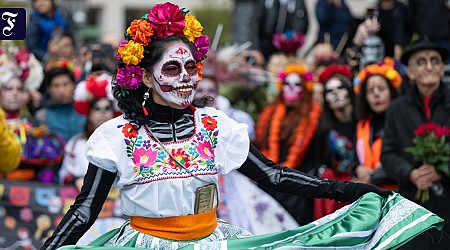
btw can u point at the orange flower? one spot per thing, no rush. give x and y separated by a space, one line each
199 70
141 31
386 70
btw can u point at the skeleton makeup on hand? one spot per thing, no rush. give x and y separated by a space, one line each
292 89
176 75
336 95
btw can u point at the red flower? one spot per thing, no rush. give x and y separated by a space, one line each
431 147
22 56
130 130
97 87
181 156
425 129
166 20
335 69
442 131
209 123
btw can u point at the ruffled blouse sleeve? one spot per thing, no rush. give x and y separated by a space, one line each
233 142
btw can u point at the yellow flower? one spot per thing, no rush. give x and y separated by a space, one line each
192 28
391 74
131 53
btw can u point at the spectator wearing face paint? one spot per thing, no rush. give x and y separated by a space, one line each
338 126
293 116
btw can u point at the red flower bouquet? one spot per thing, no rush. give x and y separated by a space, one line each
430 147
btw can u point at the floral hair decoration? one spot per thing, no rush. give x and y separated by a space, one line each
66 64
19 62
162 21
335 69
95 86
384 68
300 69
288 42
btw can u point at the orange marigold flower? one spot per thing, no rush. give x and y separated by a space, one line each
199 70
141 31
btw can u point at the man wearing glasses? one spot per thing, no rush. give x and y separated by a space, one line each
428 101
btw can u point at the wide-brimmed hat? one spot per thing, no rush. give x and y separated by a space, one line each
423 44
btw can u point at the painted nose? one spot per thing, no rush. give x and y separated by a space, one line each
186 78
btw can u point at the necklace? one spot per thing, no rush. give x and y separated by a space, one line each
304 134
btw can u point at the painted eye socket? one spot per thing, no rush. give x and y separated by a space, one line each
172 68
191 68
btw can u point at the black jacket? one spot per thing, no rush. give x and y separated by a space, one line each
404 115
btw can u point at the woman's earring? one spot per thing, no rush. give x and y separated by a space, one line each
146 96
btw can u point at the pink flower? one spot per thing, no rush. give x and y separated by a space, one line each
288 42
308 76
22 56
166 20
144 158
118 57
201 45
205 150
129 77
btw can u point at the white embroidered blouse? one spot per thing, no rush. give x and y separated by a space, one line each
151 184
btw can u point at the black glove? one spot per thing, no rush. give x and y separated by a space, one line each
354 190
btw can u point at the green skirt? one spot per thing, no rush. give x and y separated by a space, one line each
372 222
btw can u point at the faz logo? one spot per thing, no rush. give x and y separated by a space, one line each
13 23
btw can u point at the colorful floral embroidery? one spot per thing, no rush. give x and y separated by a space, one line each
152 163
129 130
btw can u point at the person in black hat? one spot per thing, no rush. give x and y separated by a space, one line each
428 101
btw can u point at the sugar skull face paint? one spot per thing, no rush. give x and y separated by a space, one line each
176 76
292 90
336 95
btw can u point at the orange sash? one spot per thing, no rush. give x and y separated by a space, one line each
21 175
187 227
372 154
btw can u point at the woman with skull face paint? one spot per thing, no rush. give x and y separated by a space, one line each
338 124
293 117
164 154
377 86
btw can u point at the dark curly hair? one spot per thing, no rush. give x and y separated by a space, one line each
131 102
363 109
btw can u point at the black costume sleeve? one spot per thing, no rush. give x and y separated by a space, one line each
273 176
83 213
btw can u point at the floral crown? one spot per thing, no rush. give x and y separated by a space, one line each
300 69
384 68
162 21
19 62
95 86
335 69
65 64
288 42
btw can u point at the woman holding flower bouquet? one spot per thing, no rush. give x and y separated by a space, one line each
420 178
164 154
